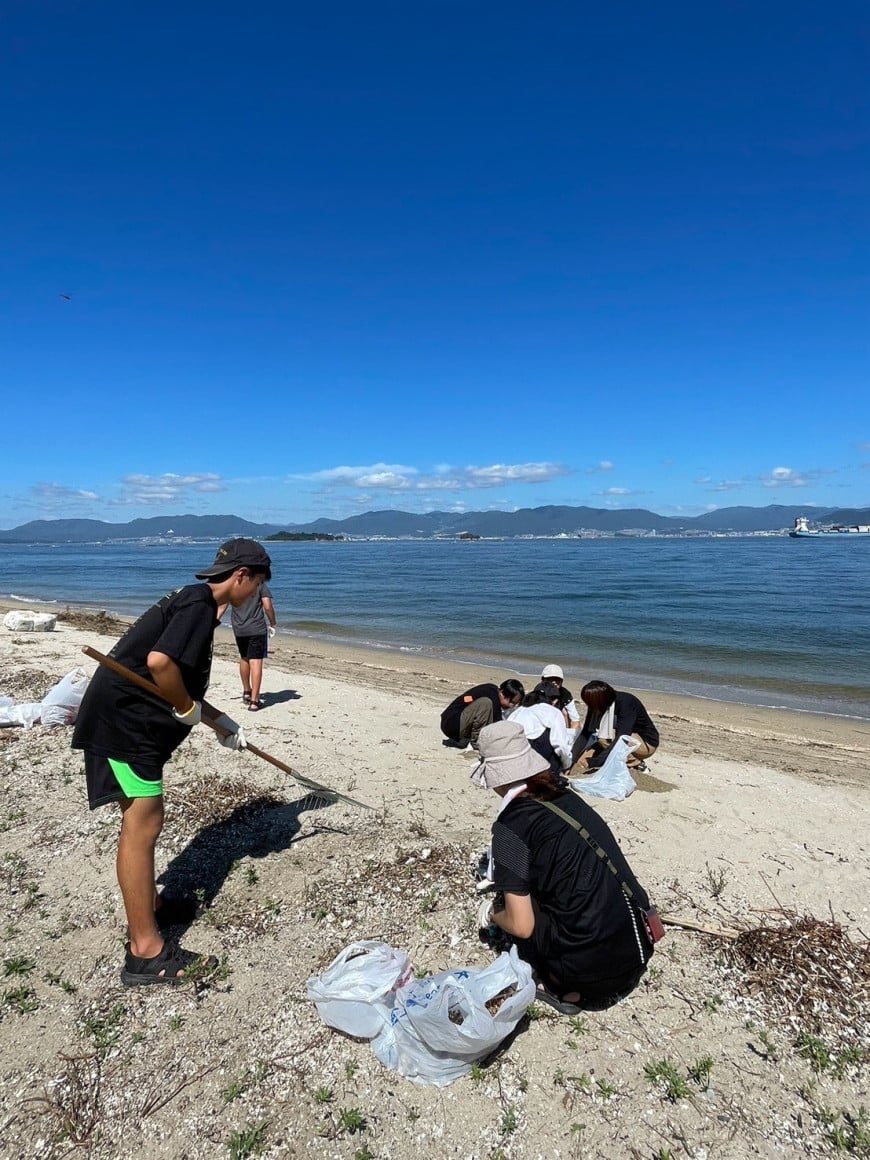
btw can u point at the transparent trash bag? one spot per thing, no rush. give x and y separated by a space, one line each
60 705
356 991
25 715
613 779
440 1026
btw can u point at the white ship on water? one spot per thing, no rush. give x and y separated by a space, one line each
802 529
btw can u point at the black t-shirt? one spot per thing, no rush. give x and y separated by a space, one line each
586 930
451 715
630 716
565 697
120 720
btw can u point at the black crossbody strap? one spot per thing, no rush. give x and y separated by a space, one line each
590 841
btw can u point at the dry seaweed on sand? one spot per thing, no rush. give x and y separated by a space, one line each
100 622
809 972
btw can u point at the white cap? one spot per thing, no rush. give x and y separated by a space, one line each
552 671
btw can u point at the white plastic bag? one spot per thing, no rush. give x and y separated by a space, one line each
27 621
356 991
613 779
60 705
440 1026
25 715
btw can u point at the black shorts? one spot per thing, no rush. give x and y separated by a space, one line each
253 648
110 780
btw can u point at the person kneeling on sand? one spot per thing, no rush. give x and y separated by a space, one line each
554 674
465 716
609 715
128 735
560 901
544 724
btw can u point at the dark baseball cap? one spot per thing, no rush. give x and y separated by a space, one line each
240 553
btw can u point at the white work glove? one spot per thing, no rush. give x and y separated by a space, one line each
272 631
235 739
484 913
192 717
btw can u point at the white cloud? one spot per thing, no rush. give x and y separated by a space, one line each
785 477
384 479
50 494
728 485
501 473
618 491
704 479
396 478
352 476
604 465
167 488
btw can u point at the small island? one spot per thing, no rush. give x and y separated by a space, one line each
302 536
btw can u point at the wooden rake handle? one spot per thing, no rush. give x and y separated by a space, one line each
314 787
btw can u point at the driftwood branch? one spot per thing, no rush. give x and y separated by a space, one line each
688 924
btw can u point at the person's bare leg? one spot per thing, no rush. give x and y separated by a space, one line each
141 822
245 674
256 667
638 755
581 765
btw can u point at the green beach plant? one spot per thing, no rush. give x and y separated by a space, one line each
104 1028
699 1072
510 1120
250 1141
352 1120
20 966
665 1073
21 1000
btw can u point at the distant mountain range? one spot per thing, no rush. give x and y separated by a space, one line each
540 521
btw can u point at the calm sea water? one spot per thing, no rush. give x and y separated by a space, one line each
768 621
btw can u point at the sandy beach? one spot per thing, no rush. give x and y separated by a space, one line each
744 814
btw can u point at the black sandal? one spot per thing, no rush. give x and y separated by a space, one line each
255 706
163 968
544 996
246 697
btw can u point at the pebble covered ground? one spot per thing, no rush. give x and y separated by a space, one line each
717 1054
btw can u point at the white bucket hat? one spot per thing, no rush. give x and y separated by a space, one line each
505 756
552 671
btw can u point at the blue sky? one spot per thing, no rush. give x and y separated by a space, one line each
288 263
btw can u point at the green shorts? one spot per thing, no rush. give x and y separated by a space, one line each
110 780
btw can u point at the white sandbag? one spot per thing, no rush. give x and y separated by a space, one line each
440 1026
27 621
355 993
60 705
613 779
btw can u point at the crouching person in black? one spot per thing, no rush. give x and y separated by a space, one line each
610 714
465 716
561 902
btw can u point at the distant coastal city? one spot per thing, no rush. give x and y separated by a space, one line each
542 523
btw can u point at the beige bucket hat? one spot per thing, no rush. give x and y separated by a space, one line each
505 756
